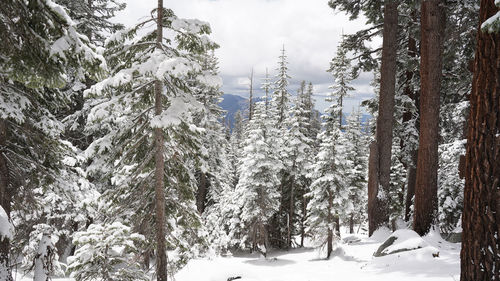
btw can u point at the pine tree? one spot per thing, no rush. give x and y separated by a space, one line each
480 222
41 42
380 150
356 154
279 110
341 70
107 252
281 96
140 143
430 73
328 190
297 156
257 191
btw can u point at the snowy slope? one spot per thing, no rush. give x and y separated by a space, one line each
351 262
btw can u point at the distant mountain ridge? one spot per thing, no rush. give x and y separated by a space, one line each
232 103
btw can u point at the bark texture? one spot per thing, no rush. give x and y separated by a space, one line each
161 253
378 200
432 21
480 255
6 193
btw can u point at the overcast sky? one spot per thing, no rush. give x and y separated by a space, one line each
251 33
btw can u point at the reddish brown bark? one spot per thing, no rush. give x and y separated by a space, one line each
430 78
378 205
161 253
480 255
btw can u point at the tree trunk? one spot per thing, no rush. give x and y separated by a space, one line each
5 200
351 223
481 217
290 213
373 212
336 218
329 239
302 222
161 253
378 215
430 74
201 194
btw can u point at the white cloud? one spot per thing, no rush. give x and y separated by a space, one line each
252 32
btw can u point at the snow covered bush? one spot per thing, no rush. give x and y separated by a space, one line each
40 254
106 252
451 186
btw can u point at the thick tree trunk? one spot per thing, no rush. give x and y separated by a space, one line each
161 253
480 255
430 76
5 200
378 215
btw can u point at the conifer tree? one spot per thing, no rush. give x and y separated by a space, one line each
40 42
356 154
257 191
297 156
481 221
140 143
426 203
281 96
328 190
341 70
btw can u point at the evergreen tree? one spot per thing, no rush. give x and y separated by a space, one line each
127 155
41 42
257 187
328 191
426 203
297 156
480 243
340 68
281 96
107 252
356 154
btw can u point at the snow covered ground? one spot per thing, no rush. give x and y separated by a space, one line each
351 262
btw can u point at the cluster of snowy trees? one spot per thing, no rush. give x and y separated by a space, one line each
296 175
101 139
402 107
437 69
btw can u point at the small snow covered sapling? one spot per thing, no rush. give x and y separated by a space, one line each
40 255
106 252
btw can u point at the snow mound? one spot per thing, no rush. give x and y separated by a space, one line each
400 241
381 234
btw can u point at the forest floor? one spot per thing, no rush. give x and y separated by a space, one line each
350 261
